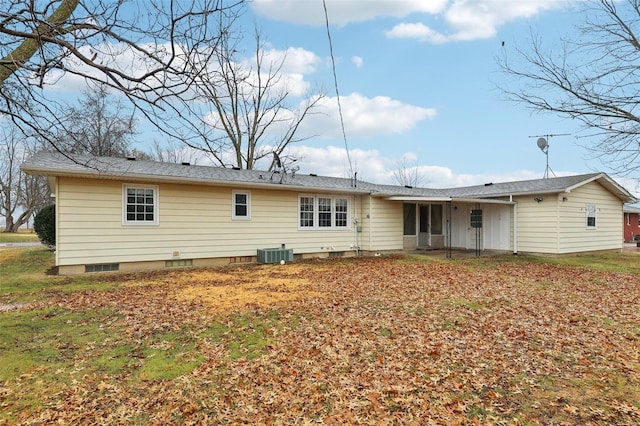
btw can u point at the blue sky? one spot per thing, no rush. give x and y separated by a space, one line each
418 80
418 84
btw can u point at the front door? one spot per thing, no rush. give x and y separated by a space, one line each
424 234
430 229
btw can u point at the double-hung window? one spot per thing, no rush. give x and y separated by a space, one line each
241 205
323 212
591 216
140 205
307 212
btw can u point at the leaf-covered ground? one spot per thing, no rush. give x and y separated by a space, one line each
353 341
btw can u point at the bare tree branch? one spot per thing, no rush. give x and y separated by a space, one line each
151 52
594 79
251 113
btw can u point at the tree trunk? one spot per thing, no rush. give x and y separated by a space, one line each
9 225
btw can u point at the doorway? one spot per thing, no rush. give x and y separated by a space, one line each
430 228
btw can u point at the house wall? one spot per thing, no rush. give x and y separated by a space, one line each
194 221
385 225
574 235
555 226
631 226
538 224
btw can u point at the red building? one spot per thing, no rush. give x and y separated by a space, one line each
631 223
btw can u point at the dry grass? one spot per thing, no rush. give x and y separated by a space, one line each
259 287
341 341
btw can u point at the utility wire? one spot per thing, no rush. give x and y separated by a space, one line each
335 83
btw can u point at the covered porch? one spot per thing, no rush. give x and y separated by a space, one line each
458 223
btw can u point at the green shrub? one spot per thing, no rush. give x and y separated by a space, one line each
637 238
45 225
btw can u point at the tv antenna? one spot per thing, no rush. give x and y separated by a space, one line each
543 144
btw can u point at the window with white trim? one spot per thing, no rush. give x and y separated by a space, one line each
140 205
306 209
342 212
591 216
323 212
241 205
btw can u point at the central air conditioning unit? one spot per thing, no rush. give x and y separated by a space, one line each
275 255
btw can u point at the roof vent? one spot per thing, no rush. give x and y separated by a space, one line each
408 186
313 174
488 184
131 158
186 163
236 168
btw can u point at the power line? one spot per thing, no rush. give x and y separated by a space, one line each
335 83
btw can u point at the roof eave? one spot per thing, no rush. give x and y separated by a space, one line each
138 177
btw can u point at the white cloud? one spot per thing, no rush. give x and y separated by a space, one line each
471 20
373 167
295 60
358 61
364 117
460 19
342 12
417 31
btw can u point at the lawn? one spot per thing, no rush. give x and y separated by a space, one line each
385 340
24 236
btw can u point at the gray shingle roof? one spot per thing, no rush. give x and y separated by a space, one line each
55 164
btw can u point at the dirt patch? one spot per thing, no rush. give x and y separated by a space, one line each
226 291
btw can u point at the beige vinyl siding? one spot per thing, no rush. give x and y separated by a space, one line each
364 218
538 224
574 235
558 227
195 221
386 225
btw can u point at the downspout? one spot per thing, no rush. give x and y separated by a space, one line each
515 225
57 220
370 216
356 223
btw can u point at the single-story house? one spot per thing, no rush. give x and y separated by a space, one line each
631 223
126 214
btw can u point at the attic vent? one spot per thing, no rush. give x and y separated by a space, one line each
235 168
186 163
408 186
313 174
488 184
131 158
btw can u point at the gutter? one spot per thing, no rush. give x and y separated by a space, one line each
134 177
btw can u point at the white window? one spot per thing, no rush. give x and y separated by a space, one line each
342 212
591 216
307 212
323 212
241 205
140 205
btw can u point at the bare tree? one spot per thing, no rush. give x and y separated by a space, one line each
405 174
21 195
594 79
173 152
99 126
150 51
252 115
